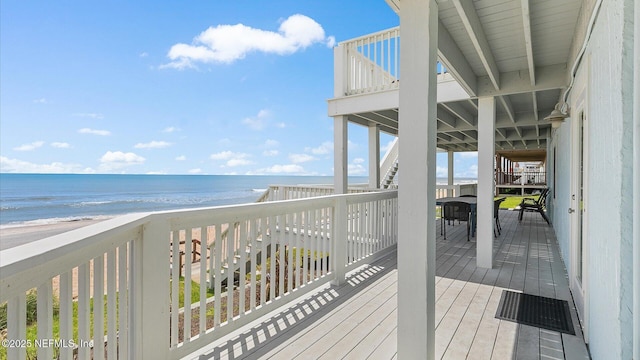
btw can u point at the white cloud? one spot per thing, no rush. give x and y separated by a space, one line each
442 172
89 115
238 162
271 143
19 166
233 159
281 125
170 129
325 148
386 147
42 101
195 171
223 155
112 160
300 158
144 54
471 172
29 147
257 122
358 160
468 154
271 152
94 132
153 145
61 145
181 158
284 169
356 169
228 43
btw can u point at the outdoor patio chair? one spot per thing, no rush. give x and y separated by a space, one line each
531 204
455 210
496 215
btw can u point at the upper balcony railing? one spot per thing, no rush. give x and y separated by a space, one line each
112 290
370 63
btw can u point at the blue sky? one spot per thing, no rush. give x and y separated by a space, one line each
197 87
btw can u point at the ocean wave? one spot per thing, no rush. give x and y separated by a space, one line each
55 220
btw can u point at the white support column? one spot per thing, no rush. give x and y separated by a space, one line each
416 194
486 153
450 171
340 156
374 156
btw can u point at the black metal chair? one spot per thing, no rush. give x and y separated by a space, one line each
539 205
468 195
455 210
496 215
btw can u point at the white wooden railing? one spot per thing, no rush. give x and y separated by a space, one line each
289 192
118 274
456 190
389 163
372 62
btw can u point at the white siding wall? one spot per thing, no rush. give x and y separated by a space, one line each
608 221
609 196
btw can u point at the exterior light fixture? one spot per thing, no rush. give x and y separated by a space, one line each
557 116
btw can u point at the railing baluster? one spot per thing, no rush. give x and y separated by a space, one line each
98 307
263 260
281 222
230 273
123 304
203 279
188 250
242 248
65 316
175 282
112 348
83 309
314 245
253 249
272 259
17 325
218 276
45 318
289 221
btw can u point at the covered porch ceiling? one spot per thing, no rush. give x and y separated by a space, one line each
520 51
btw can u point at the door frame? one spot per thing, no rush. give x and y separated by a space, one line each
580 115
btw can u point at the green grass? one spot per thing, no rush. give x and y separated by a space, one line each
512 201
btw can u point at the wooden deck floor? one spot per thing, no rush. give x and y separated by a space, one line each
358 320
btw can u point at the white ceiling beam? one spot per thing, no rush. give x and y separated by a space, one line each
516 82
471 22
460 112
526 21
374 118
446 118
451 57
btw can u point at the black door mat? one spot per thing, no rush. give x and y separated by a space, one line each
538 311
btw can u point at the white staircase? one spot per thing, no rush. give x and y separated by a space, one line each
389 166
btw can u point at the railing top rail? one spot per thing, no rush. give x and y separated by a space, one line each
381 32
108 234
23 257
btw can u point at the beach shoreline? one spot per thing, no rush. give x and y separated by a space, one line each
19 235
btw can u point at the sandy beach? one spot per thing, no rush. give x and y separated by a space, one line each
15 236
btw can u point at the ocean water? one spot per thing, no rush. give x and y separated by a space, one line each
27 199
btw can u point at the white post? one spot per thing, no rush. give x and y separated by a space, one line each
339 71
486 152
150 286
450 171
340 155
416 194
374 156
339 243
